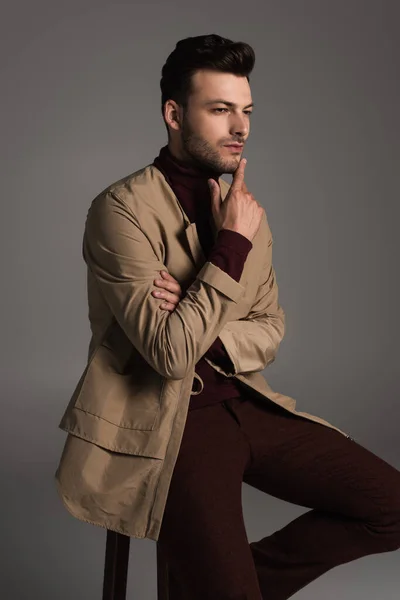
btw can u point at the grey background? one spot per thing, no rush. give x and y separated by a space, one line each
80 109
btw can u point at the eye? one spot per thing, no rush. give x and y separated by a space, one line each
220 111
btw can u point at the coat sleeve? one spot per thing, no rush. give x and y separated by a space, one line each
124 263
229 254
252 342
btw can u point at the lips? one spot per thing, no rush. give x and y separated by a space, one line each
238 146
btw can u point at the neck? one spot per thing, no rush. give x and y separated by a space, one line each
187 172
184 161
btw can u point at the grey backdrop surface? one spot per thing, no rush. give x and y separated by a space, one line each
80 109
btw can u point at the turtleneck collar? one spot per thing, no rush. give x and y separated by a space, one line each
177 171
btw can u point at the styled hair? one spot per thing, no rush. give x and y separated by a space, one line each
191 54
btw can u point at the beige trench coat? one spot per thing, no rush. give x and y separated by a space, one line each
126 417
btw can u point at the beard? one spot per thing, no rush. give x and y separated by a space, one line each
202 155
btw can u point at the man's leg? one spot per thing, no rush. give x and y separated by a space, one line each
202 532
354 494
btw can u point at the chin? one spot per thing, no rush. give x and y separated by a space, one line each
228 165
231 166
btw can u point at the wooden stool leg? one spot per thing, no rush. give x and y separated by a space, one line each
116 566
162 576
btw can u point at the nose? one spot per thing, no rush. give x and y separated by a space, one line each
239 125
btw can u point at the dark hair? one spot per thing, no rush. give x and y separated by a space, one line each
211 52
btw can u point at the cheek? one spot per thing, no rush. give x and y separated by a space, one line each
214 130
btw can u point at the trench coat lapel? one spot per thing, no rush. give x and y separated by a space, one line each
193 243
192 236
196 251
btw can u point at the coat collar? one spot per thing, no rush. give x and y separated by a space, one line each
192 237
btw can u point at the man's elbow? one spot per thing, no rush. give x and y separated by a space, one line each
277 322
171 368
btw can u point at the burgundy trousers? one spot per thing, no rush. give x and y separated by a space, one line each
353 494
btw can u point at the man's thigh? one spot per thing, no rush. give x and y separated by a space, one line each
203 534
312 465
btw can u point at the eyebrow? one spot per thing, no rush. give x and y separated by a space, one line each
231 104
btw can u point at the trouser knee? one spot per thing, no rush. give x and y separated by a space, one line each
386 531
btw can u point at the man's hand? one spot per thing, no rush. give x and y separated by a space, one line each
239 211
171 292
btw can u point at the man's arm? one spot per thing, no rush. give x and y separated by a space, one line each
229 254
252 342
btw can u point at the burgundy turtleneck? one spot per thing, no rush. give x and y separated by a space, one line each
229 253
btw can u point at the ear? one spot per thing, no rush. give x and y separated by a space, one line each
172 115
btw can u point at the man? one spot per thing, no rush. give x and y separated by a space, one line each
172 412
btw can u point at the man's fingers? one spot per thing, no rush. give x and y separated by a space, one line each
214 189
168 306
169 284
174 288
167 275
170 297
238 176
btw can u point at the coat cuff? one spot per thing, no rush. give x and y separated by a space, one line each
218 354
221 281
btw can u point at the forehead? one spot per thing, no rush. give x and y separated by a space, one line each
209 85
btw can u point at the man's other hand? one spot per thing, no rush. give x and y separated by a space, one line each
170 293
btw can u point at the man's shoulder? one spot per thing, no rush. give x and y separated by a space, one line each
140 181
136 191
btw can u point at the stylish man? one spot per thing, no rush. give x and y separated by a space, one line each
172 412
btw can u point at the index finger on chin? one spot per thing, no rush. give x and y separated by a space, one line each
238 176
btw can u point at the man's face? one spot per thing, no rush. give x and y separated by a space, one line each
218 114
